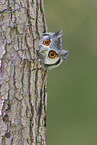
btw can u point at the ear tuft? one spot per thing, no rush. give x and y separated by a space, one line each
58 33
65 54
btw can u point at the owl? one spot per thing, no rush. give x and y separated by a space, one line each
50 50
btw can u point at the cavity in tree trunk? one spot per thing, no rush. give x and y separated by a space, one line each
23 98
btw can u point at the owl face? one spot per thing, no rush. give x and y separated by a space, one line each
50 49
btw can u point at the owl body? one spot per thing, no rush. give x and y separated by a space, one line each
50 50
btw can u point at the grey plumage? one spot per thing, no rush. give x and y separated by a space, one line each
50 49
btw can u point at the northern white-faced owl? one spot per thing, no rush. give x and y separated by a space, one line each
50 50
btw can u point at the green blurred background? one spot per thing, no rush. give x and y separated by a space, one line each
72 87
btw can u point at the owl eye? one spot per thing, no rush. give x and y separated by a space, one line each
46 42
52 54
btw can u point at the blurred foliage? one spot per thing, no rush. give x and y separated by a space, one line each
72 87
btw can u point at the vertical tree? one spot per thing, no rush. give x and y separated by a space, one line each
23 96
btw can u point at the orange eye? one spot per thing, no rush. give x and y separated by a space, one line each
52 54
46 42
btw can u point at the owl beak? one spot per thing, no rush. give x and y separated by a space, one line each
42 50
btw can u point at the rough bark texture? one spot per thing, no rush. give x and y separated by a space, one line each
23 98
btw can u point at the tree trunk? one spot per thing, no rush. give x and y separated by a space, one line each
23 98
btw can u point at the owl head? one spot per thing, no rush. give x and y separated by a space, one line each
50 50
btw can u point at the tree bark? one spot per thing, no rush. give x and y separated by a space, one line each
23 96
